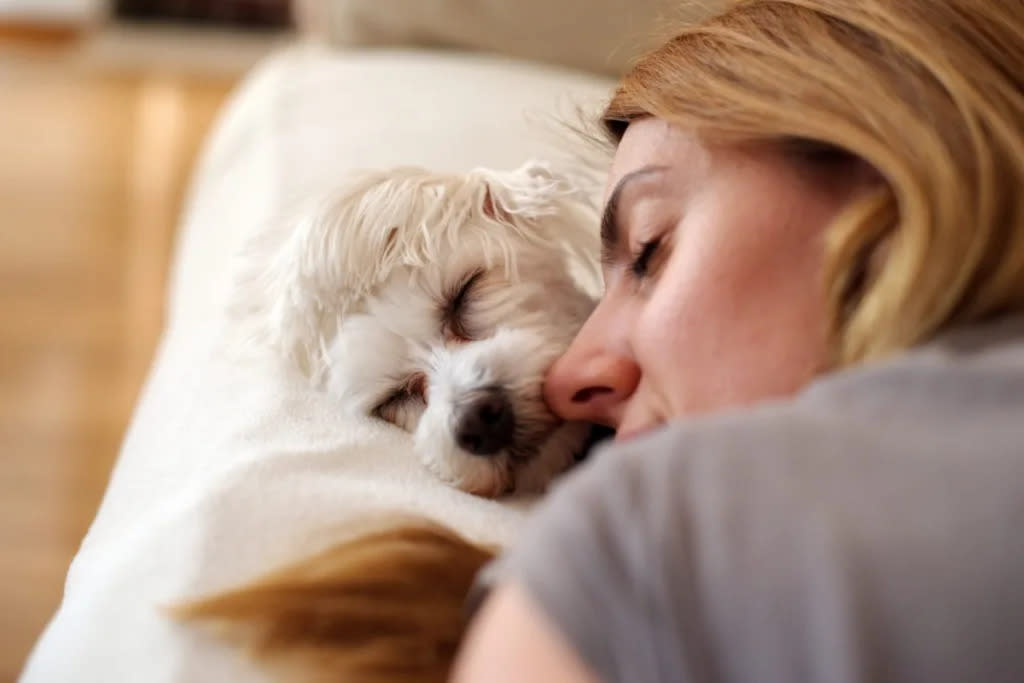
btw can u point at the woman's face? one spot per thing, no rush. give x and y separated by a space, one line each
713 258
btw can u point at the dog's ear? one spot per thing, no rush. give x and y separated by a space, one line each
299 282
296 283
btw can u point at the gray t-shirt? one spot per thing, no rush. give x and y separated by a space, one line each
872 529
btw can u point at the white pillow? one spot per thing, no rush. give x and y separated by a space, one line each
231 467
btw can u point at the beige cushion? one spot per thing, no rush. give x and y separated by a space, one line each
602 36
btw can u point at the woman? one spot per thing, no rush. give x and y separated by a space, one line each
815 206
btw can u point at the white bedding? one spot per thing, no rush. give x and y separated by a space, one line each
230 467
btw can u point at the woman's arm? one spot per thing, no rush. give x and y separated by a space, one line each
512 640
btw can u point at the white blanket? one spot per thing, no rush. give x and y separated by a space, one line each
231 467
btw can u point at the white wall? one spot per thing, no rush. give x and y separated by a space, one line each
52 10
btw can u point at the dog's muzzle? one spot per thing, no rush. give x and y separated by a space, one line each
486 422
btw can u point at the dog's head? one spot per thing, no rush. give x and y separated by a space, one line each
436 303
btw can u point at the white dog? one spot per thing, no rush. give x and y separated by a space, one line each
437 302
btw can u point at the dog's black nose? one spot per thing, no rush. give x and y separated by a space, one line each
487 423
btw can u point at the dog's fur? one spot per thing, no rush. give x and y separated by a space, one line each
412 296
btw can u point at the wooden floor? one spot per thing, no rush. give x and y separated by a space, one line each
92 171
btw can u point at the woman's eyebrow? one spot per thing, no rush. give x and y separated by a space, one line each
610 228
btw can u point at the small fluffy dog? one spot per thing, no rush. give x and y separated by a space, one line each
436 302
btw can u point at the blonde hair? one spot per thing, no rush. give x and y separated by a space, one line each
384 607
928 92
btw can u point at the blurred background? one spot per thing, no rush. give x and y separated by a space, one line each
103 106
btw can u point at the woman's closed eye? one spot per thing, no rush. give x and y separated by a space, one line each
640 263
648 257
455 309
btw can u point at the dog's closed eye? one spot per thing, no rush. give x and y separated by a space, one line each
413 389
454 310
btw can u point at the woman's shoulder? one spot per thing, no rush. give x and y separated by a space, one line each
959 370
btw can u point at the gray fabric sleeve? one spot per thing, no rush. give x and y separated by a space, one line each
770 547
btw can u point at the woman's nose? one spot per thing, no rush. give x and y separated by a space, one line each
591 385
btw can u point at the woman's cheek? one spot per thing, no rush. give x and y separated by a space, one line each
660 353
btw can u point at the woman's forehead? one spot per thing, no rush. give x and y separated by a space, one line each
652 142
